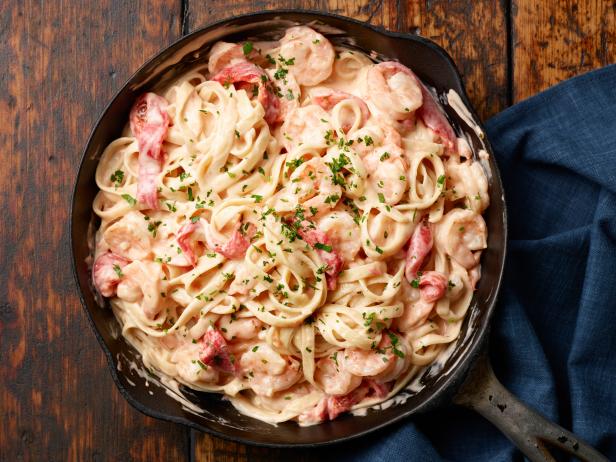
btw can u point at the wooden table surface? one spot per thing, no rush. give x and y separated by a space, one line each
61 61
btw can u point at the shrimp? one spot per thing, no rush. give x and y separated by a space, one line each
267 371
342 232
468 180
215 352
420 300
129 237
328 99
234 328
416 309
393 90
419 247
336 405
222 55
474 274
189 367
244 281
311 54
313 187
330 407
388 178
246 76
107 273
462 234
149 123
391 82
307 126
192 233
143 283
369 363
333 379
289 93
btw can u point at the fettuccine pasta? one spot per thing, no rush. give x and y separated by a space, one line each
291 225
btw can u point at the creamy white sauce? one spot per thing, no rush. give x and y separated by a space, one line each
455 102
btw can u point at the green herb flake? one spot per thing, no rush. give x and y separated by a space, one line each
130 199
321 246
117 177
247 48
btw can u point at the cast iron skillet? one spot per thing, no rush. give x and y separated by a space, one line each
466 377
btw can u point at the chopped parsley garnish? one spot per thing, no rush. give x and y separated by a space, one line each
440 181
281 73
190 194
247 48
316 41
381 198
290 95
295 163
255 348
286 62
171 207
130 199
394 345
257 198
415 282
384 156
336 166
368 140
153 226
332 199
117 177
325 247
369 319
118 270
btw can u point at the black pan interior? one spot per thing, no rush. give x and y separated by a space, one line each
435 68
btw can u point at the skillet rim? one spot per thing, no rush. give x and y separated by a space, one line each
449 384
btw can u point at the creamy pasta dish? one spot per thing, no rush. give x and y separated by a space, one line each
292 225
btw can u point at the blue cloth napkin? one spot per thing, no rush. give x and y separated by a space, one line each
553 341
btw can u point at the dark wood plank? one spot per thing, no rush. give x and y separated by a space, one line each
64 61
475 35
481 54
553 41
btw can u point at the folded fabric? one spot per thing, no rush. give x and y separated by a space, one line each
553 341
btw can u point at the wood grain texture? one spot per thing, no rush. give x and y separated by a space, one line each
480 52
553 41
64 60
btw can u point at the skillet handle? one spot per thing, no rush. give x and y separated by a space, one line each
526 428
